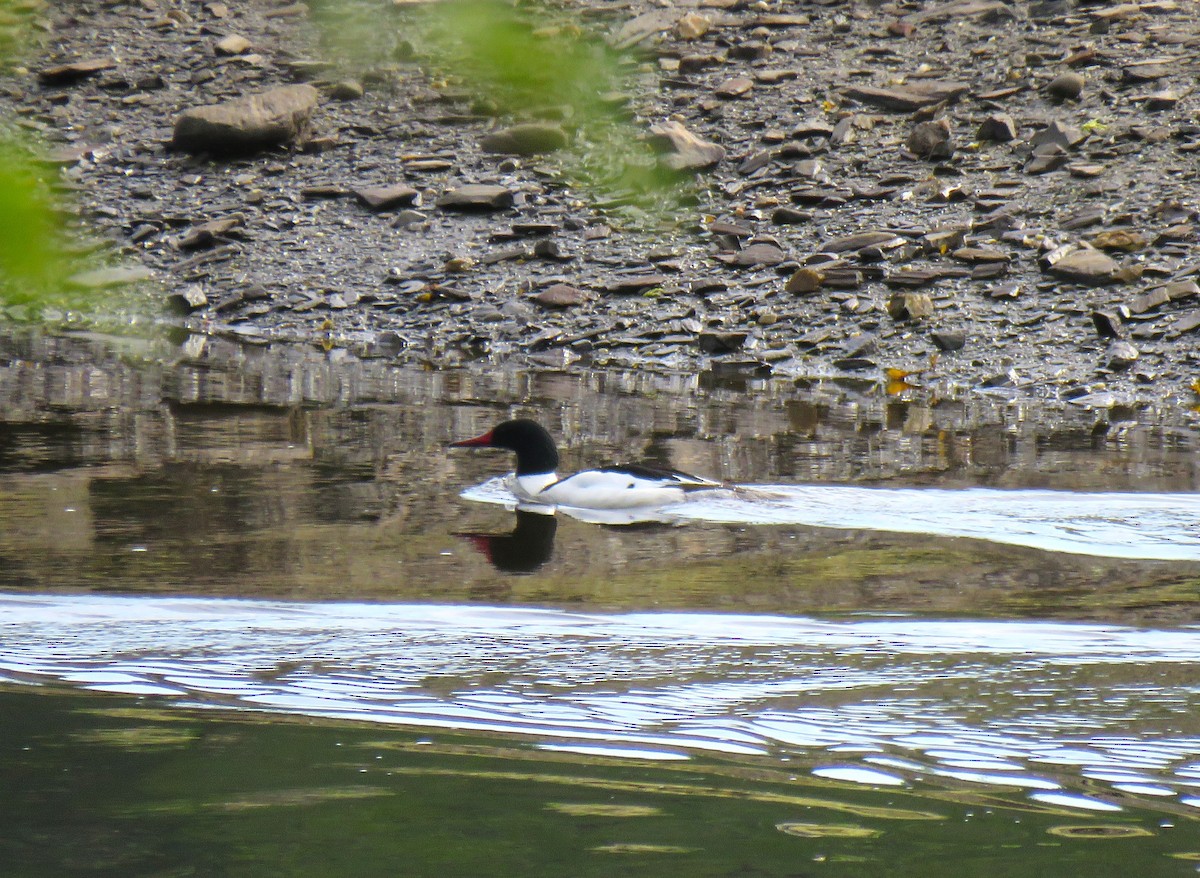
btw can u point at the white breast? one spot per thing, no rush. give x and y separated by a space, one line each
595 489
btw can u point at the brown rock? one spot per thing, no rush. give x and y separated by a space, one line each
862 240
948 339
979 254
1046 159
912 97
1182 289
738 87
931 140
633 284
347 90
387 197
682 150
560 296
234 44
910 306
1189 322
998 127
692 26
1066 86
1121 355
531 138
755 254
1149 300
721 342
1058 134
1120 239
185 301
1086 266
207 234
247 124
64 74
476 196
789 216
805 280
642 27
1108 324
1162 100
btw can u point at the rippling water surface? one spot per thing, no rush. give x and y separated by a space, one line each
1043 707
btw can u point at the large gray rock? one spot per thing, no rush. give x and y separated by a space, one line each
530 138
247 124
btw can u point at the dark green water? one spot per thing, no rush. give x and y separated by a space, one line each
106 785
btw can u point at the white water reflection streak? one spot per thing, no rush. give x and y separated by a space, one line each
1113 525
1033 706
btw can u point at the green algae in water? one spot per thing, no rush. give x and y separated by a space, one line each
827 830
138 737
1099 831
597 809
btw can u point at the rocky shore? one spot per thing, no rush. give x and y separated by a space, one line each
935 196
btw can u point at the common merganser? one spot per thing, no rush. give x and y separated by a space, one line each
609 487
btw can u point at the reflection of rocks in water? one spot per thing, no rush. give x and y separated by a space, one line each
76 401
523 550
214 467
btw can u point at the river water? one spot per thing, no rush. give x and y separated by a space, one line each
962 609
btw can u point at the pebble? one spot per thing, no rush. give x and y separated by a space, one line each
74 71
347 90
1066 86
737 87
1108 324
979 254
682 150
692 26
721 342
1086 266
207 234
998 127
1120 239
560 296
789 216
948 339
931 140
861 241
1058 134
755 254
532 138
805 280
477 196
909 306
633 284
1148 301
234 44
910 98
115 276
379 198
1121 355
1162 100
185 301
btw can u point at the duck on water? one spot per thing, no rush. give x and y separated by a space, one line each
627 486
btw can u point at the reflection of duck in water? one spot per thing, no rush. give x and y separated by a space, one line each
525 549
607 488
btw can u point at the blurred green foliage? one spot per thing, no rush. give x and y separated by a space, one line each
33 260
32 263
522 61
